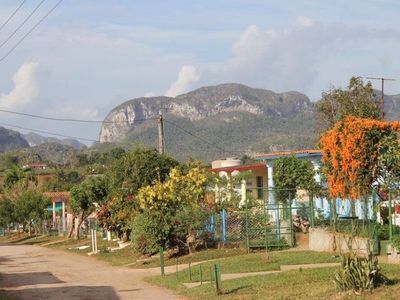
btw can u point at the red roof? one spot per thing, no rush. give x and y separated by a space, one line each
57 195
286 153
253 167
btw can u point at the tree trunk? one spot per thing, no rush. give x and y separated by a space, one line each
71 230
334 214
353 217
78 226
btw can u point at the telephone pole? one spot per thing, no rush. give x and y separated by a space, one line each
382 92
160 133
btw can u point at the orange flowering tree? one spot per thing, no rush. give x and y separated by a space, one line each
351 151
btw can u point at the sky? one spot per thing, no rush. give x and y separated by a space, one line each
90 56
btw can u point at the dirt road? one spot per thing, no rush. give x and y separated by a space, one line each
33 272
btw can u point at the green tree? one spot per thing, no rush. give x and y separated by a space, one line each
6 212
389 163
31 209
358 100
291 173
138 168
174 210
84 199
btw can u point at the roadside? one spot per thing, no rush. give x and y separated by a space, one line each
33 272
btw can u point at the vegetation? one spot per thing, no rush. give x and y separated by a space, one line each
296 284
291 173
351 155
358 100
173 212
85 197
358 274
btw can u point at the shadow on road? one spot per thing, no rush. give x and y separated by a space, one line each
20 279
67 292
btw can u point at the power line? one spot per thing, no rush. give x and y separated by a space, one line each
49 132
198 137
12 15
22 24
30 31
68 119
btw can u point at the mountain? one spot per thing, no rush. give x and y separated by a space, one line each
219 121
216 121
51 153
36 139
11 140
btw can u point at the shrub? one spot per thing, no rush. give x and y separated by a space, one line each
144 234
358 274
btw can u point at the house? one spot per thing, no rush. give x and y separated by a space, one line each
62 218
231 167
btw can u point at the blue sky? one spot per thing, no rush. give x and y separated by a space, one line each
90 56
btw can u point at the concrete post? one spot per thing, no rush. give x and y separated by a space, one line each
317 176
243 193
63 217
270 177
54 214
108 235
229 188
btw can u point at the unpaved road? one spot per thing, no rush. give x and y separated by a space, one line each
33 272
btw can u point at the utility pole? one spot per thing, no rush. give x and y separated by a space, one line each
382 92
160 133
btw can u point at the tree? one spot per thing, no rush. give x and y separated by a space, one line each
6 212
138 168
31 209
84 198
389 164
358 100
291 173
350 154
173 209
15 175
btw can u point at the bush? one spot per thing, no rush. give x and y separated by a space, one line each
358 274
144 237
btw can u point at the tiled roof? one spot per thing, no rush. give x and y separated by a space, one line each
57 195
287 153
242 168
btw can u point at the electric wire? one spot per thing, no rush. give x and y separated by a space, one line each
48 132
68 119
30 31
199 138
22 24
12 15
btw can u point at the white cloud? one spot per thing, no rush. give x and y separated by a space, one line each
186 77
26 87
305 21
294 58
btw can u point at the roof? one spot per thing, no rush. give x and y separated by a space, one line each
242 168
57 195
297 153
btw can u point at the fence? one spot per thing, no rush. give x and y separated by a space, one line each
255 220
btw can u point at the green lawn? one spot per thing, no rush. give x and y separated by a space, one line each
254 262
305 284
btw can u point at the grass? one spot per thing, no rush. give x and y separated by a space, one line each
305 284
255 262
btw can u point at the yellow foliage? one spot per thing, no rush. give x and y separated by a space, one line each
178 188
